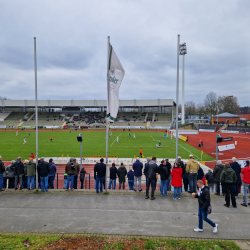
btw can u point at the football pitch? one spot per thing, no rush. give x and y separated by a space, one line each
94 144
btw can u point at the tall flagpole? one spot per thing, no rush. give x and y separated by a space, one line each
177 96
36 112
107 123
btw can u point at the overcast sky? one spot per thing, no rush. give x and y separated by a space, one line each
72 48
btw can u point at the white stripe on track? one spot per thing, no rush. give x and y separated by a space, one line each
115 140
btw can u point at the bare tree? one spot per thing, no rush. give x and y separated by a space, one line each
228 104
200 110
190 108
179 109
210 103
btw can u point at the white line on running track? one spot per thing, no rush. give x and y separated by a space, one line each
188 151
115 139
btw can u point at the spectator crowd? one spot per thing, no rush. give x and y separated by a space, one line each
226 178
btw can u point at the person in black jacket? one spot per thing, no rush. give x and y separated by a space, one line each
210 180
185 177
131 178
217 173
82 176
43 170
151 175
146 169
99 174
204 202
19 172
121 173
237 169
169 167
2 170
163 171
112 176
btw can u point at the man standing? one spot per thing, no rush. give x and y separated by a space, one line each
159 142
77 170
237 168
19 171
137 167
204 202
24 141
11 174
43 171
192 169
30 172
130 176
169 167
151 174
140 151
117 139
52 173
2 170
70 170
112 176
245 173
210 180
217 173
99 174
51 139
228 179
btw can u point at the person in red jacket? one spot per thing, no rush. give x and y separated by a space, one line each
245 175
32 156
177 179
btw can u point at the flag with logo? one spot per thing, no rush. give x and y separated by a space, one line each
115 76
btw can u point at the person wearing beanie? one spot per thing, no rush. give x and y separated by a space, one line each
112 176
99 174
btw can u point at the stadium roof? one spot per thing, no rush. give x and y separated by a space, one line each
86 103
226 115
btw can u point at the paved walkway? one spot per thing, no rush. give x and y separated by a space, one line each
79 212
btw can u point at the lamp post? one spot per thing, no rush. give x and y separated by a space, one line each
183 52
79 138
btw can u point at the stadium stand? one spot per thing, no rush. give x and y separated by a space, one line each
76 120
3 116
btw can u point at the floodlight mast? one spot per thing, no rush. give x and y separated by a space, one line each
183 52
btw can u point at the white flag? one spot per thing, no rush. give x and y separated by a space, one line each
115 76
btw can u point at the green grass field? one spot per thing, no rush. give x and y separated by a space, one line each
94 143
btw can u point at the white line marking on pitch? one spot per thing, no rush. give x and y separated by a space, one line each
152 137
115 139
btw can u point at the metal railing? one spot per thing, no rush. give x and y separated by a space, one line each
60 179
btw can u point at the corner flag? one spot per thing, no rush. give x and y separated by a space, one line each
115 76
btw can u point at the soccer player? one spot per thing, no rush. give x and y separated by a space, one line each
129 134
24 140
140 151
165 136
159 142
29 134
117 139
17 133
134 136
51 139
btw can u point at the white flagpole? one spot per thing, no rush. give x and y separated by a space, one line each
177 96
107 124
36 112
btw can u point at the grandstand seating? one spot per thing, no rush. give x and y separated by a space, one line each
85 119
3 116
